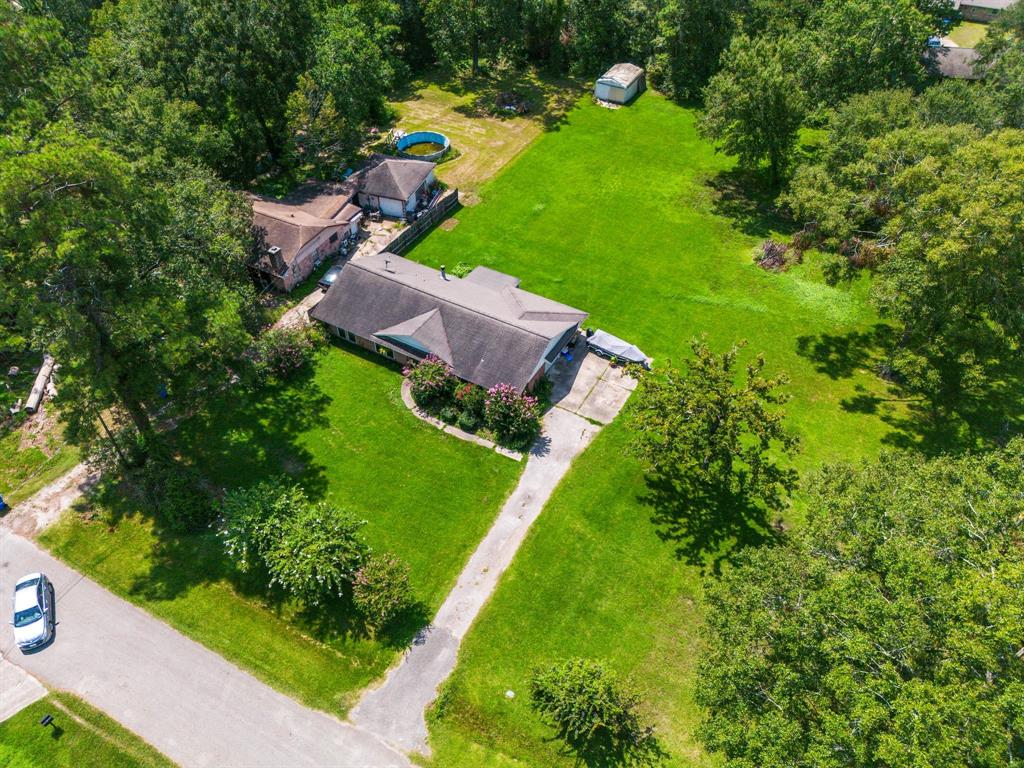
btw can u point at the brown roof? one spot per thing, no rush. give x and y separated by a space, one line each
393 178
488 329
292 221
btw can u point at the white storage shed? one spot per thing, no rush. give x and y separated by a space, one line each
620 84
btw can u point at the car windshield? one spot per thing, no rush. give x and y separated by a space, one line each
28 616
26 584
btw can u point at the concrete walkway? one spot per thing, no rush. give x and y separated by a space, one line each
185 700
396 710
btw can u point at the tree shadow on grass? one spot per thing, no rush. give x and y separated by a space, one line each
840 356
989 418
550 100
240 438
980 423
244 437
747 198
708 525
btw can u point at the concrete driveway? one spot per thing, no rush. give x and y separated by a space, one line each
185 700
590 386
396 710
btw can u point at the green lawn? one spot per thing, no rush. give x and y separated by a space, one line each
25 467
630 216
968 34
346 437
80 737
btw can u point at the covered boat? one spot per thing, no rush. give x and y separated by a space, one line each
606 345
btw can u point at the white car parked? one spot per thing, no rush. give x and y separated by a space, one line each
33 611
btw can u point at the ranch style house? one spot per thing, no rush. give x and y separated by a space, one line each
487 328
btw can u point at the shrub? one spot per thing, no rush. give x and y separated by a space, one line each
542 389
468 422
514 417
776 256
471 399
449 414
176 494
594 713
433 383
381 591
317 552
280 352
251 519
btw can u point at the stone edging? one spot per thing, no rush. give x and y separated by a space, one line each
451 430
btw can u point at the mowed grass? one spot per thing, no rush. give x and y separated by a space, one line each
629 215
345 436
80 737
968 34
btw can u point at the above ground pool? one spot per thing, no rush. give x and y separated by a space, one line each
423 145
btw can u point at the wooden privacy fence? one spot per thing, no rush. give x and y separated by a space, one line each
433 215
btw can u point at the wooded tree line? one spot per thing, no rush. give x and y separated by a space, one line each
128 124
915 179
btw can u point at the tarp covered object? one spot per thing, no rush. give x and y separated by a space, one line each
612 346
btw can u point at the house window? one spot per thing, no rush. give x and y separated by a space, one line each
385 351
351 337
333 238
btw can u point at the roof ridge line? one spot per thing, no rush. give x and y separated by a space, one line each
471 309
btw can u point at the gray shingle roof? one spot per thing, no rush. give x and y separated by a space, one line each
393 178
489 331
623 74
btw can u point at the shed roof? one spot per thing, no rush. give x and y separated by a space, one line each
393 178
623 75
992 5
490 331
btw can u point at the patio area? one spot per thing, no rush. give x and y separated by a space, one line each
589 385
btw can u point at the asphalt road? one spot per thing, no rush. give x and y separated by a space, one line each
188 702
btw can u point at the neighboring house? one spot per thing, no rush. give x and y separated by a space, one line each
981 10
303 229
620 84
394 186
957 63
484 325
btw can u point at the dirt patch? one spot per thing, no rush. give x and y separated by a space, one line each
469 198
293 466
39 431
449 224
